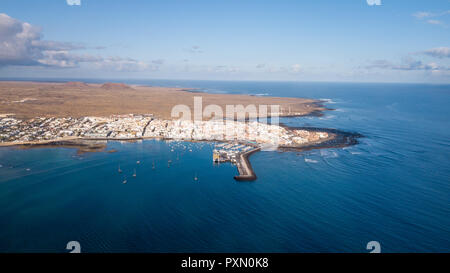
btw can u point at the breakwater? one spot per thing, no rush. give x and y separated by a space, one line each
245 169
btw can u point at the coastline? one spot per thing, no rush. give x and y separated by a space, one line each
90 133
336 139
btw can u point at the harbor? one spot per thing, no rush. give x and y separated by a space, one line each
235 140
238 154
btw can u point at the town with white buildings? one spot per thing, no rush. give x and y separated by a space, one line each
124 127
238 138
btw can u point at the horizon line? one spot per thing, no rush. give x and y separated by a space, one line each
64 79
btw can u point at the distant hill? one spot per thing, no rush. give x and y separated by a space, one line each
111 85
76 84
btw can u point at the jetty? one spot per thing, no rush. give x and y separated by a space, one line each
237 153
245 169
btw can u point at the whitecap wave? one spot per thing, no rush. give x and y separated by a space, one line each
328 117
352 151
328 101
311 160
328 154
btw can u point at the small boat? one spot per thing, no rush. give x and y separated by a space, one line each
119 170
195 177
125 180
134 174
138 162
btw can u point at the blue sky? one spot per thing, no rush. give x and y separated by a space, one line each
348 40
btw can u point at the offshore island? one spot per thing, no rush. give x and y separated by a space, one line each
34 114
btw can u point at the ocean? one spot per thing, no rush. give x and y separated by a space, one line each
393 187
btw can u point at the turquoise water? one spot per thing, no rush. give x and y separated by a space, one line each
393 187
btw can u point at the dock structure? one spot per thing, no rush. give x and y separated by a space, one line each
237 153
245 169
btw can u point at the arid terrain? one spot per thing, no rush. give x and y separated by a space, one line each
26 100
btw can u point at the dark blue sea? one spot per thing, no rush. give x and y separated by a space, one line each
393 187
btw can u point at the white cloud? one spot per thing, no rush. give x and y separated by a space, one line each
439 52
17 42
158 61
195 49
407 65
421 15
434 22
296 68
373 2
222 69
286 69
124 64
73 2
66 59
21 44
427 14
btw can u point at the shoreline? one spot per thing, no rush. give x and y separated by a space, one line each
336 139
88 133
341 139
